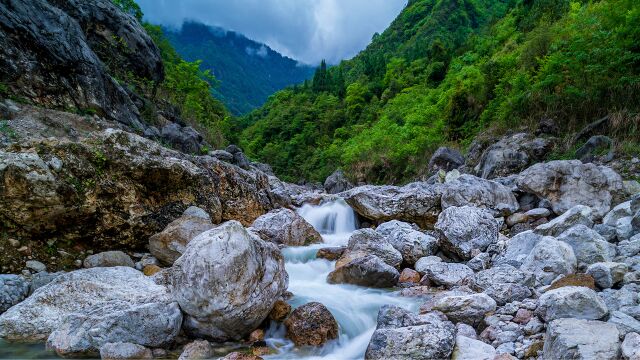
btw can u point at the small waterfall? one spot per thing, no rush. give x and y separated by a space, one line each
333 219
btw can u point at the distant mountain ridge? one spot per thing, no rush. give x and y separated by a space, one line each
249 71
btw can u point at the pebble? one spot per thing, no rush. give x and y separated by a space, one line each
36 266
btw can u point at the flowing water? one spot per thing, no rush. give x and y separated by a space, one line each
355 308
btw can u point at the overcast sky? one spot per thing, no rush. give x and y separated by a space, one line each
306 30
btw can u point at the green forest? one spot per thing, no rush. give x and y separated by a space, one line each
446 71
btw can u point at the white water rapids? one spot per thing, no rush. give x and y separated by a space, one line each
355 308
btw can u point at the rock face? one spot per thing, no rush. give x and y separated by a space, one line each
82 310
467 230
95 34
168 245
311 324
406 336
512 154
108 259
566 184
155 185
227 297
415 203
571 302
581 339
468 190
337 183
13 289
285 227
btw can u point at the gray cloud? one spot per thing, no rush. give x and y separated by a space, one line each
306 30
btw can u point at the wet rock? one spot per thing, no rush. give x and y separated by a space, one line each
471 349
581 339
467 230
415 203
444 274
504 283
332 253
199 349
548 259
566 184
512 154
445 159
631 347
607 274
286 227
280 311
13 289
171 243
82 310
468 190
588 246
108 259
124 351
571 302
403 335
369 270
469 309
221 296
410 242
337 183
311 324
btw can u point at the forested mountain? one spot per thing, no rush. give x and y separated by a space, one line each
248 71
448 70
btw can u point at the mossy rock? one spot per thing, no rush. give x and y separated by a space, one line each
574 280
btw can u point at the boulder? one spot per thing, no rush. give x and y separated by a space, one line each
566 184
168 245
468 190
469 309
444 274
227 297
197 350
518 248
548 259
280 311
285 227
581 339
471 349
82 310
331 253
467 230
337 183
409 276
311 324
108 259
406 336
595 145
241 356
415 203
625 323
369 270
584 280
512 154
607 274
629 248
239 158
445 159
577 215
411 243
13 289
588 246
124 351
571 302
365 242
185 139
504 283
631 347
620 211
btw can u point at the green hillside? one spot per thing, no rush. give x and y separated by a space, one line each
447 70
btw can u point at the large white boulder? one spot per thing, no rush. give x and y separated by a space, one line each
286 227
571 302
468 190
548 259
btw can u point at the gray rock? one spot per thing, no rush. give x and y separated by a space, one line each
548 259
534 326
589 151
365 242
512 154
581 339
465 330
286 227
445 159
468 190
606 231
369 270
629 248
239 158
405 336
631 346
122 303
571 302
588 246
480 262
469 309
41 279
36 266
620 211
467 230
624 322
124 351
569 183
577 215
184 139
607 274
504 283
625 229
196 212
197 350
337 183
222 155
471 349
623 299
13 289
518 248
445 274
108 259
221 296
168 245
411 243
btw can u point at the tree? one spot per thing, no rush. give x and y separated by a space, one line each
130 7
321 78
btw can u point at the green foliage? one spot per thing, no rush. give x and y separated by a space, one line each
446 70
130 7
